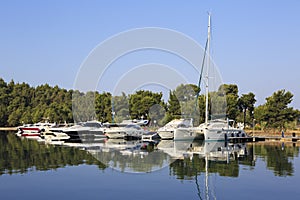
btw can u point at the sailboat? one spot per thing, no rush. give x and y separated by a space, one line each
195 133
210 130
218 129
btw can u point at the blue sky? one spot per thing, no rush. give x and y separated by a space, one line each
255 43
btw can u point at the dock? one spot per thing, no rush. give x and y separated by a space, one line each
277 138
240 139
8 128
263 138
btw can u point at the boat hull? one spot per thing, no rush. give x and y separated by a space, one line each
188 134
166 135
123 135
115 135
85 136
215 135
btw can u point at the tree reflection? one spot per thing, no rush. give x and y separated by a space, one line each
186 169
278 156
21 156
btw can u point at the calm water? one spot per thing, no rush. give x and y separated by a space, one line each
167 170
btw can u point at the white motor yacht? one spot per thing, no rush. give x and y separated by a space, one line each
189 133
167 131
50 137
220 130
87 131
128 131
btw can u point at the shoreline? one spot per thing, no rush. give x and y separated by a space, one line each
257 133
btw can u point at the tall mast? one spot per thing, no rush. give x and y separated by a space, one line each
207 69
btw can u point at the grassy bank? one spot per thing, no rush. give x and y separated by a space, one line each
272 132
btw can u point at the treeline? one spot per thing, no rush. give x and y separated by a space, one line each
20 103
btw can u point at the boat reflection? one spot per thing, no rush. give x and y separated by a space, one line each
217 151
133 156
143 156
198 161
185 159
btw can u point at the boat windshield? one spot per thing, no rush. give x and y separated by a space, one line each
92 124
134 126
182 126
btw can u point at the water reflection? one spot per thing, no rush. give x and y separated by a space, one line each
141 156
130 156
278 156
211 157
22 155
203 162
186 159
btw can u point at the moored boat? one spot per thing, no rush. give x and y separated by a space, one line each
130 131
220 130
53 137
189 133
167 131
86 132
29 132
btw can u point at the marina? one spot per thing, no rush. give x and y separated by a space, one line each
92 131
70 133
143 100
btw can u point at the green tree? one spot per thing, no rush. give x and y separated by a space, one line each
26 117
182 103
104 107
14 118
4 102
174 109
246 105
21 103
201 107
277 110
231 92
83 106
157 114
217 104
186 92
141 102
38 113
186 95
19 99
121 107
259 115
